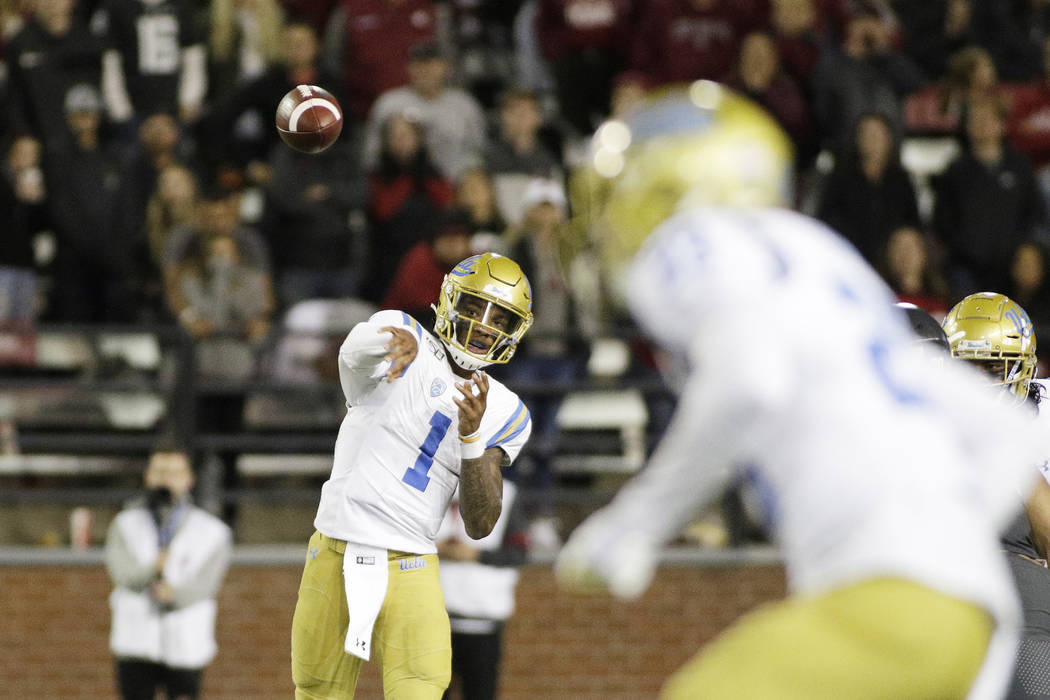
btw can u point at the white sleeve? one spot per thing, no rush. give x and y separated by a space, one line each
193 82
360 357
114 90
513 431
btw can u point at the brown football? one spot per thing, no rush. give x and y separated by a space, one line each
309 118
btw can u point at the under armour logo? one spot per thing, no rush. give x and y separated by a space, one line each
360 644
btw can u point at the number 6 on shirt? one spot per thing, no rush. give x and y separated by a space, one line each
416 477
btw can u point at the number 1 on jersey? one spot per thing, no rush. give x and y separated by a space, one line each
416 477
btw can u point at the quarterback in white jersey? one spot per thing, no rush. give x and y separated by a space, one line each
872 468
422 420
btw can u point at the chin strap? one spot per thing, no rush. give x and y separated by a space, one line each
463 359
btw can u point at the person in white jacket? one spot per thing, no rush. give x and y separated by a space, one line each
884 479
167 559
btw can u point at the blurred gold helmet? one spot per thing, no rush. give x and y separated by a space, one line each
484 309
687 146
994 332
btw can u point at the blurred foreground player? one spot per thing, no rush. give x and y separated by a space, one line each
422 418
800 381
994 334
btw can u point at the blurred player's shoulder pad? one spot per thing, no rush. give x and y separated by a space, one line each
732 263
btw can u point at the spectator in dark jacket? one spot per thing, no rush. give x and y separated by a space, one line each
93 265
758 75
315 251
869 194
51 53
987 203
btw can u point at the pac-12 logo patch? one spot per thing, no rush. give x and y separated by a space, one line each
437 388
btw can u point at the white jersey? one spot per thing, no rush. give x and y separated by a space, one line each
397 456
1043 424
803 382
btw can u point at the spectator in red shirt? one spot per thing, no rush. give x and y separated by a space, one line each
584 42
406 193
682 40
419 275
367 41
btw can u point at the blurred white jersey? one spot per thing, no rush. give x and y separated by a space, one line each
397 456
802 382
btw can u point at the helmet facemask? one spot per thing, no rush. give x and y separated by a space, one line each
482 328
996 335
1009 373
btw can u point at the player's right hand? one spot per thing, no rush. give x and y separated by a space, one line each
599 556
401 350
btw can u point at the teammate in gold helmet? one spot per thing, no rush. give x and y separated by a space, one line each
484 309
994 333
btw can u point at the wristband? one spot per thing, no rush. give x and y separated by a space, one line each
471 446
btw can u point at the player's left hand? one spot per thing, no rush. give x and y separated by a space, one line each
471 405
402 349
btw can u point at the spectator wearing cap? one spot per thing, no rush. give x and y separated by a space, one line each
417 281
52 51
549 355
368 41
91 262
452 120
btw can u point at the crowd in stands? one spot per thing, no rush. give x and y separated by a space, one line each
143 180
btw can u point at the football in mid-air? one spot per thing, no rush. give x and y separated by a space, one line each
309 118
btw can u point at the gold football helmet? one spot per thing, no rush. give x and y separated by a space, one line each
484 309
687 146
993 331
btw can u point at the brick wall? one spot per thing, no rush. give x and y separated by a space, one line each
54 624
